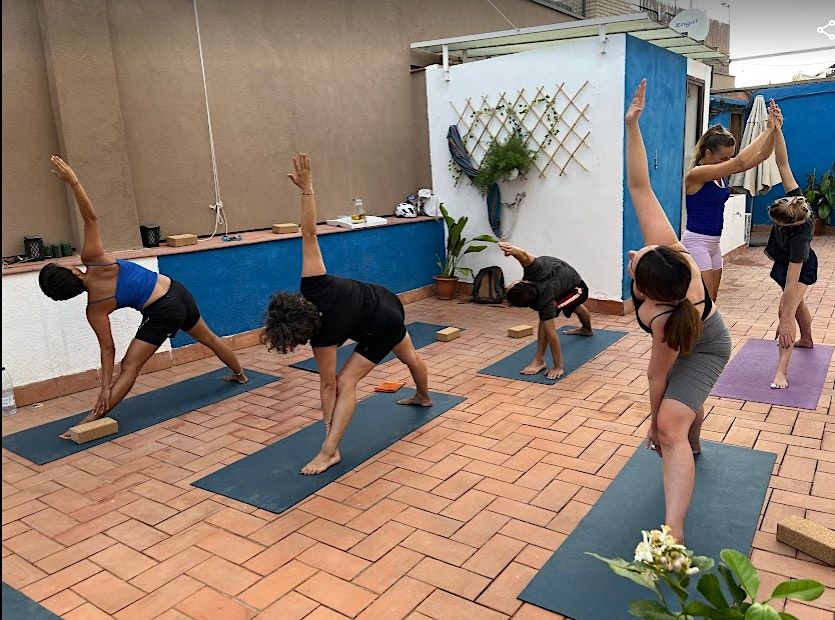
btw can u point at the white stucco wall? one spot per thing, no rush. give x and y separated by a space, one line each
576 216
43 339
733 230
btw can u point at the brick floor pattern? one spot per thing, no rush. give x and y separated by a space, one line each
449 523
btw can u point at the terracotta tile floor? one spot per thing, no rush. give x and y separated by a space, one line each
449 523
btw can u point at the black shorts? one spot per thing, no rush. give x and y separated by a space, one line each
385 329
808 272
176 310
568 302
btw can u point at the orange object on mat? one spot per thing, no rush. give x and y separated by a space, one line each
389 386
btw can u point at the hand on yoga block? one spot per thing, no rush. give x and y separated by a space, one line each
88 431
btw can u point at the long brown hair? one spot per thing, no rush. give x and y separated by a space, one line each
789 210
664 275
715 138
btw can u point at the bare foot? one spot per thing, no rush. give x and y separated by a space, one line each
580 331
320 463
780 382
416 401
90 418
804 344
554 373
534 368
239 378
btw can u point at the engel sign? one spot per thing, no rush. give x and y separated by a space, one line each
692 22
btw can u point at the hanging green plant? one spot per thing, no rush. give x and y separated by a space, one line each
502 158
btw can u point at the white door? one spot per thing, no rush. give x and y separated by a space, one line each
693 130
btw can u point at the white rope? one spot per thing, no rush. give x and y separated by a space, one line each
220 215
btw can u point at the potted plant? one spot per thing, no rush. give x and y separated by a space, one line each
504 160
821 197
456 247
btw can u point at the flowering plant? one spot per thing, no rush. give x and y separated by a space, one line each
659 559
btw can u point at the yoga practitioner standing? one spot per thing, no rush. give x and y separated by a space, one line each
165 304
329 311
706 193
549 286
795 263
690 346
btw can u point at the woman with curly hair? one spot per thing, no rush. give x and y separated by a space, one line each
329 311
110 284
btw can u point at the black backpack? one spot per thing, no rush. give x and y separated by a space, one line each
488 286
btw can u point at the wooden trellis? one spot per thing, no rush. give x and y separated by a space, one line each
556 126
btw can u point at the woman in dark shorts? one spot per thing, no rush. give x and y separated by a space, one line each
795 263
329 311
165 304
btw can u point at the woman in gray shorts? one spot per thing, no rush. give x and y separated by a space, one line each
690 342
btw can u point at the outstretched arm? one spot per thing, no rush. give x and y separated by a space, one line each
655 226
92 250
312 262
523 256
781 154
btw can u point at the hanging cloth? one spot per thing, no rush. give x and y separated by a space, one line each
462 159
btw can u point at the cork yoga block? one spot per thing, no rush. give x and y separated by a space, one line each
809 537
82 433
176 241
285 229
520 331
447 333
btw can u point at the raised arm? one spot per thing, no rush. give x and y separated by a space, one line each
655 226
92 249
312 262
523 256
781 154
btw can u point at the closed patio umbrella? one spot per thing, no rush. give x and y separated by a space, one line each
761 178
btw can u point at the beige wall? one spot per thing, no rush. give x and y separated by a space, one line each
325 76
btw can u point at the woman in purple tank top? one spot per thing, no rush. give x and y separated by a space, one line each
706 193
165 304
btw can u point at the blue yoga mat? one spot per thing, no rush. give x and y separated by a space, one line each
731 484
18 606
270 478
576 351
42 444
422 334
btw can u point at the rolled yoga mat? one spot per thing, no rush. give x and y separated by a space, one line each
42 444
270 478
576 351
422 334
749 374
18 606
731 484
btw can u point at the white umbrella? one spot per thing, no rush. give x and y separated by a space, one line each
761 178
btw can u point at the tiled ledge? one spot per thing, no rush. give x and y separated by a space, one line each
217 243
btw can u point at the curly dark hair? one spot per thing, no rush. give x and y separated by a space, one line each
522 294
291 321
59 283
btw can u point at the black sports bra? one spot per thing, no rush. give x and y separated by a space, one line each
707 301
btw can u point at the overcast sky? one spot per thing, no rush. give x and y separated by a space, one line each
769 26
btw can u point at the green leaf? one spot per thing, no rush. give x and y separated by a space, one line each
709 587
760 611
475 248
737 593
487 238
697 608
800 589
632 572
823 211
466 271
744 571
649 610
785 616
702 562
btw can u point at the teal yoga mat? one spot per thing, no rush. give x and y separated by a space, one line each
18 606
576 351
422 334
42 444
731 484
270 478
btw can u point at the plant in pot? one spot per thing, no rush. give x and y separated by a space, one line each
456 247
821 197
504 160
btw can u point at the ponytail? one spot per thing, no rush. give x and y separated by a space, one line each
683 327
713 139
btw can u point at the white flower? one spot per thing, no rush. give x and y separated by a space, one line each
692 571
643 552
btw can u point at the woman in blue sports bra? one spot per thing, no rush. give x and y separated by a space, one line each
706 193
165 304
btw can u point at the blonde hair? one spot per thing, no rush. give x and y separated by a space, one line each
789 210
715 138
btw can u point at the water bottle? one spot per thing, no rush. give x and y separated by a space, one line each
358 216
9 406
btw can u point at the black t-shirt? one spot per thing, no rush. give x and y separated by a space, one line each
344 307
790 244
554 279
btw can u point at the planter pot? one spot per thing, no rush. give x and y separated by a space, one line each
445 287
818 226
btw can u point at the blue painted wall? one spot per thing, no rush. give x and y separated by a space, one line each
233 285
662 125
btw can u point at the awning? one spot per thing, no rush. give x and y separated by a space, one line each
640 25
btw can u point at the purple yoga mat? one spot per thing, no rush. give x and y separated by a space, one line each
748 376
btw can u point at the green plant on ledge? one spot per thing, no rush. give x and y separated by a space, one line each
502 158
821 196
457 246
662 564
